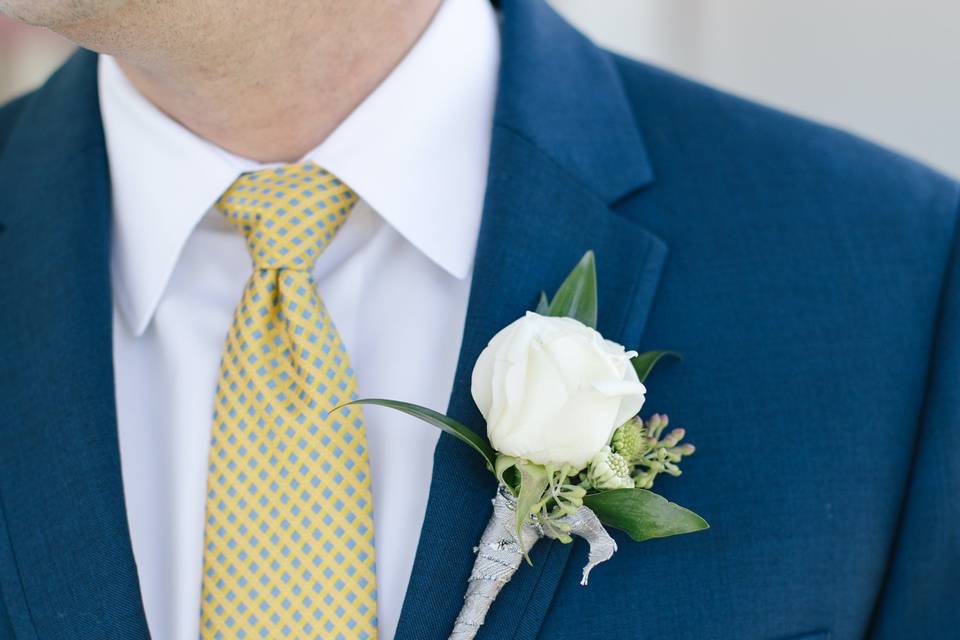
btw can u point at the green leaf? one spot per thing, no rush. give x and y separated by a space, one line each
442 422
506 471
577 296
534 481
543 305
643 514
645 362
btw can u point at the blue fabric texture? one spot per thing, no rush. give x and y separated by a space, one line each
811 281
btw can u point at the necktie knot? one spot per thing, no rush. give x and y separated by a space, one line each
288 214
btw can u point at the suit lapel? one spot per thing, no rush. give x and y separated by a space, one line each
564 147
62 495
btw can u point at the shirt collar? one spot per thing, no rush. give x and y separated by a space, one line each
416 150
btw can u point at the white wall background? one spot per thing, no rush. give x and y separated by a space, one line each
886 69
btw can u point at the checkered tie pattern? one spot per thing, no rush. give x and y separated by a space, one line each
288 538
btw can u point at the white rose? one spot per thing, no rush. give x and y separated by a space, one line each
553 391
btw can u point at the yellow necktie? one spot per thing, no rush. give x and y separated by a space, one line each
288 541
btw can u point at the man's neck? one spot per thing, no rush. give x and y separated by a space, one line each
270 91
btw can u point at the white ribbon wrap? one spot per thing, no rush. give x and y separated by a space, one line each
500 553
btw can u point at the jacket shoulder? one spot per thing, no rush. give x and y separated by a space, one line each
737 144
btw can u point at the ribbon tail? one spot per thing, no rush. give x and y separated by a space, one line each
585 524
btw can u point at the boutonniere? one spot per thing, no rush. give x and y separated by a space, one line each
565 441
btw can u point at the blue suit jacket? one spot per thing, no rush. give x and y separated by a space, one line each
811 281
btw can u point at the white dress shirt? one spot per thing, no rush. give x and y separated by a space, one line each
395 279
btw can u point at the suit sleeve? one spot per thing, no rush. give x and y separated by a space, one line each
921 594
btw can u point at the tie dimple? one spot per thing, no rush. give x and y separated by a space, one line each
288 214
288 538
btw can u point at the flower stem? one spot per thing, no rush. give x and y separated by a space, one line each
498 557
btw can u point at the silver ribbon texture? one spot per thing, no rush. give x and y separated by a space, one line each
500 553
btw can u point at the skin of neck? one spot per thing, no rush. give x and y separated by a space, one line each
268 81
